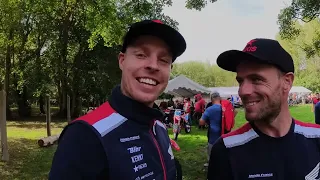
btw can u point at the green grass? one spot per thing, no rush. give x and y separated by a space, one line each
29 161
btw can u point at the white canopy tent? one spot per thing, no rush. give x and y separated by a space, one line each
185 87
228 91
299 89
225 91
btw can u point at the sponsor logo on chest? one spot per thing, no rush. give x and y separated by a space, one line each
253 176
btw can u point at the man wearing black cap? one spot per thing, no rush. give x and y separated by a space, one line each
272 145
123 139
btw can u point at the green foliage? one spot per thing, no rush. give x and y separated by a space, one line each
205 74
198 4
304 49
67 47
302 10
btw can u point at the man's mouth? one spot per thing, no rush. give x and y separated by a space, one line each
250 103
148 81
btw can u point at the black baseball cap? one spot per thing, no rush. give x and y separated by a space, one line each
265 51
169 35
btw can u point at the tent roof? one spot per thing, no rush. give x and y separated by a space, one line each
227 91
299 89
183 86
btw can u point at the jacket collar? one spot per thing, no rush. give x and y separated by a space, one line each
132 109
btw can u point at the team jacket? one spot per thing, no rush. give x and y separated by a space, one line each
136 147
247 153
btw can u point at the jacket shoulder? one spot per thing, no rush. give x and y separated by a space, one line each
240 136
104 119
308 130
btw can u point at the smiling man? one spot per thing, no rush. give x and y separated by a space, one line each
272 145
122 139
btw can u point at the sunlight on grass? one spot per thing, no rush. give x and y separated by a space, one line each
28 161
32 130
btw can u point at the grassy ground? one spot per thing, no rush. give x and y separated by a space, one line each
29 162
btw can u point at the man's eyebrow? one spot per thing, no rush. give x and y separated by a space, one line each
253 75
137 50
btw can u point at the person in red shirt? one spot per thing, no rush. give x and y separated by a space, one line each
315 100
199 108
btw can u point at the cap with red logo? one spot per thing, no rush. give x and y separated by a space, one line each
265 51
169 35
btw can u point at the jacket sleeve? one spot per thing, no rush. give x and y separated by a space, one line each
219 165
79 155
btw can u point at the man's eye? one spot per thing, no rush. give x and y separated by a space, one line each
256 80
140 55
164 60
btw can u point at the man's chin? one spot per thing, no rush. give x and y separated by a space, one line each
251 118
147 99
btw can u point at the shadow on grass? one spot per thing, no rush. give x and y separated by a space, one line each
27 160
35 124
38 118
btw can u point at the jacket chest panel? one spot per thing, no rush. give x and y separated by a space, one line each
133 152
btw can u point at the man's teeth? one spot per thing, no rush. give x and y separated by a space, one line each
147 81
251 103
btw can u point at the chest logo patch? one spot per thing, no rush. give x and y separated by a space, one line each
262 175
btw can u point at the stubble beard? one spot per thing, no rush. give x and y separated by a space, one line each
269 112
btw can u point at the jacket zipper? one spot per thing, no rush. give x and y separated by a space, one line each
160 154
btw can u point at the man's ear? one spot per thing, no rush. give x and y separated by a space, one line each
121 59
288 79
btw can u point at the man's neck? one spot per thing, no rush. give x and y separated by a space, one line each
279 127
215 102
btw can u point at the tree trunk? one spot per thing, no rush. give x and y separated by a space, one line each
64 37
9 55
76 100
24 108
73 102
41 105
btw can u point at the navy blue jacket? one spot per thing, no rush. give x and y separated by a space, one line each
119 140
317 113
247 153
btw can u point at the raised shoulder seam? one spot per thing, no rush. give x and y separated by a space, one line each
240 136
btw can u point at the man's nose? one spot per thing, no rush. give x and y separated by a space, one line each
152 64
245 89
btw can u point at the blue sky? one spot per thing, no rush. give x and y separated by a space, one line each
224 25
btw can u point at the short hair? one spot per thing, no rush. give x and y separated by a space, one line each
215 95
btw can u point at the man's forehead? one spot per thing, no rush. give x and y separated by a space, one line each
263 71
248 66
